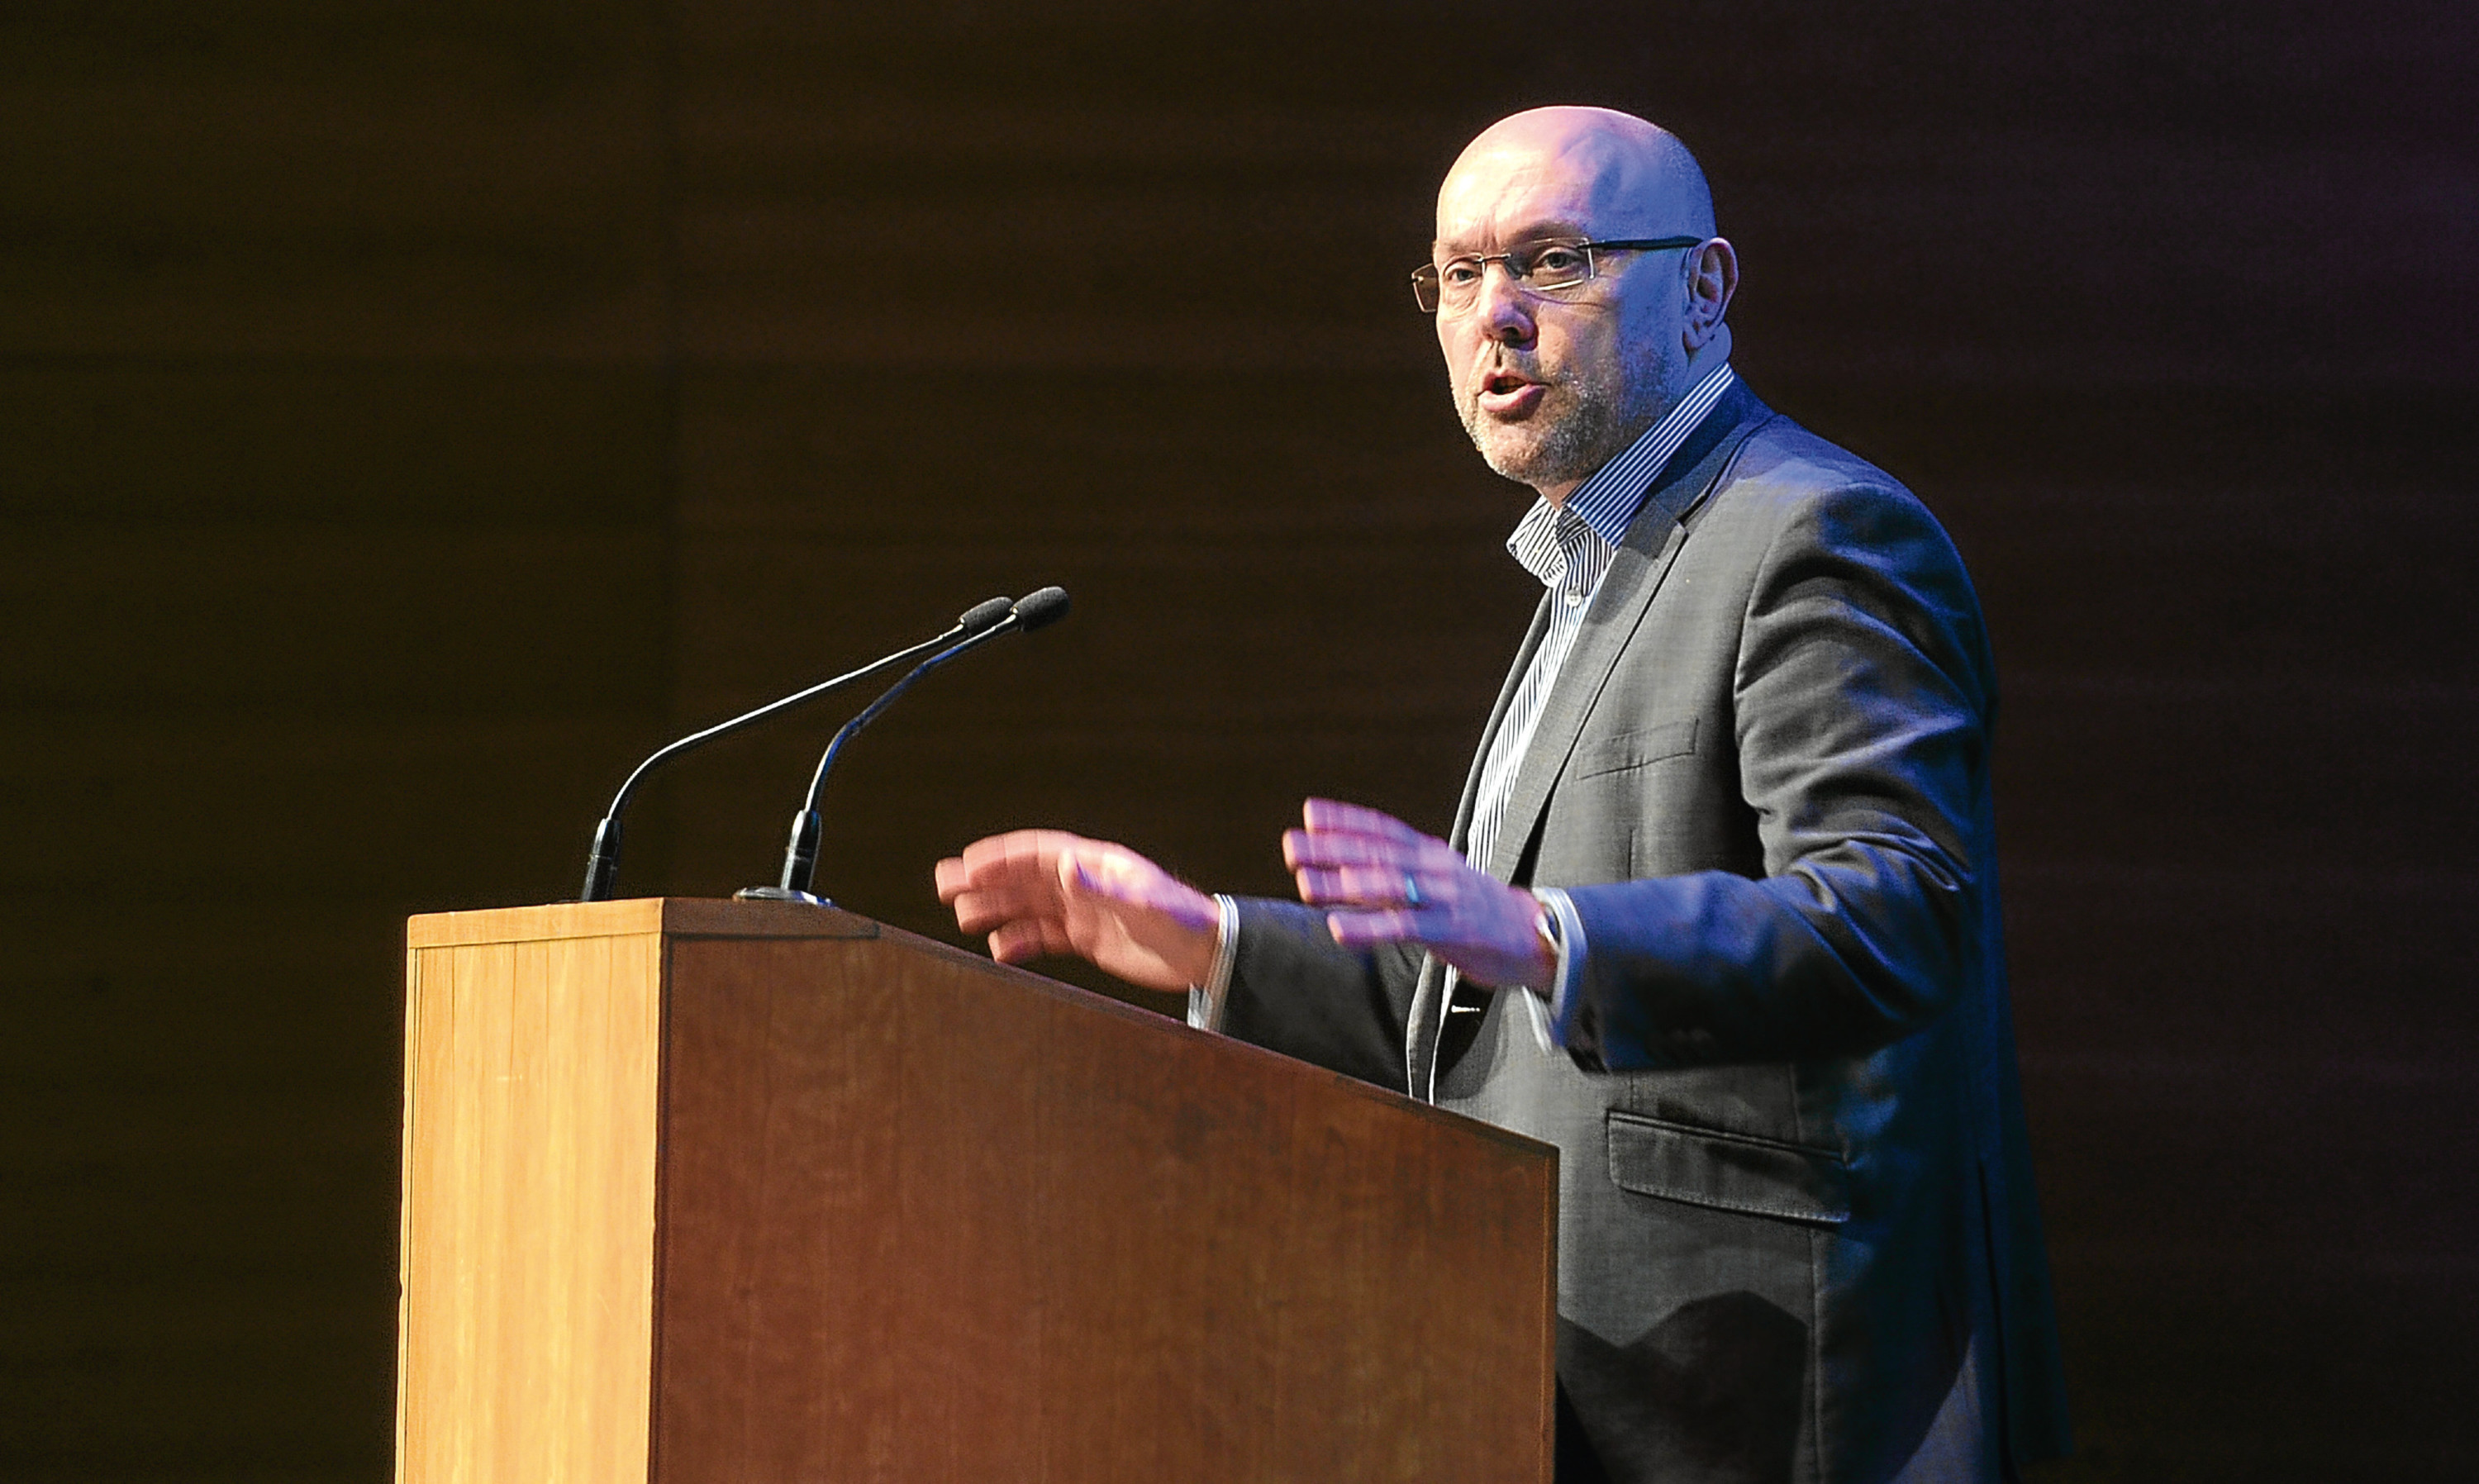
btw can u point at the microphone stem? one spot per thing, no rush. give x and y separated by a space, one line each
801 857
603 864
620 800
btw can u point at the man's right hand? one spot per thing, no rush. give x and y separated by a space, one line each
1046 891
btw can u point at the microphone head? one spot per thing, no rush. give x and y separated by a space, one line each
1036 609
984 615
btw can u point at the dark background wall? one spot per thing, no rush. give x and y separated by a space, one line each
412 414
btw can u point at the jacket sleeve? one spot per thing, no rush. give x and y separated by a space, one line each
1293 990
1861 711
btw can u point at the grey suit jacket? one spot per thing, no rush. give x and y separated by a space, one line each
1797 1232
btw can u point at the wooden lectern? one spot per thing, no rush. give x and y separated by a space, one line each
752 1191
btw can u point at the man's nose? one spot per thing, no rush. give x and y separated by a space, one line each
1503 310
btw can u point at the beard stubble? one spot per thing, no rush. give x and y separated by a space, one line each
1609 406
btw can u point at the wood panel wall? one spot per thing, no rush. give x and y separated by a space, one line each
410 415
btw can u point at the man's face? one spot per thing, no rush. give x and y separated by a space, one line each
1550 388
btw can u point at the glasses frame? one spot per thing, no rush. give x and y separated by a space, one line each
1428 291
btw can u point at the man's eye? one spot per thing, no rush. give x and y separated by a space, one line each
1558 262
1461 271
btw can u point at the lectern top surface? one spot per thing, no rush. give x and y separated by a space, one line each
680 916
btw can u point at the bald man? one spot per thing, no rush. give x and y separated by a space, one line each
1719 913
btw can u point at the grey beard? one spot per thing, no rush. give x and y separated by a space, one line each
1611 410
1567 450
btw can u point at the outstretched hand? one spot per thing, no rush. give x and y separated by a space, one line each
1391 883
1046 891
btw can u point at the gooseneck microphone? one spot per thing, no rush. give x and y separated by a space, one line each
1033 611
603 864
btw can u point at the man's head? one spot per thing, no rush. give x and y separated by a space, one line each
1552 384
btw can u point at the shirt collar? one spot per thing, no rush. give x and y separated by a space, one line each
1607 503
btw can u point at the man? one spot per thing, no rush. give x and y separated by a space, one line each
1719 917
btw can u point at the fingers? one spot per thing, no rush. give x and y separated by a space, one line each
1027 938
1389 883
1332 816
1013 852
1303 851
1375 886
1353 929
952 876
1346 834
1005 878
1348 855
981 912
1019 861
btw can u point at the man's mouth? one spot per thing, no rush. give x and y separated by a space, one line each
1506 394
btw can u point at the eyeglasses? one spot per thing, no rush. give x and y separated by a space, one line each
1542 267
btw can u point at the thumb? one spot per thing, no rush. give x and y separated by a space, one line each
1088 876
1110 879
1074 880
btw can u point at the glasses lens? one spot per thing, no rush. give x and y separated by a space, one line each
1552 264
1458 279
1424 288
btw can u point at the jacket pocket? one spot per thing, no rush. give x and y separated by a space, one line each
1635 749
1727 1172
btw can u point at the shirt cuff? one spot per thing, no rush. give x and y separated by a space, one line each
1205 1000
1554 1005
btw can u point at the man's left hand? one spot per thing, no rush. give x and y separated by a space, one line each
1390 884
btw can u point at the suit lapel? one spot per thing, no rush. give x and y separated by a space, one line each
1635 573
1428 1012
1636 570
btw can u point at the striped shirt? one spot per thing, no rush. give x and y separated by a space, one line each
1568 547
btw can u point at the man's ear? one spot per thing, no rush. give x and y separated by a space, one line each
1712 277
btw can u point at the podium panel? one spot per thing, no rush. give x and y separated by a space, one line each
722 1191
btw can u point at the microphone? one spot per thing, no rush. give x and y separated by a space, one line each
1033 611
603 863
